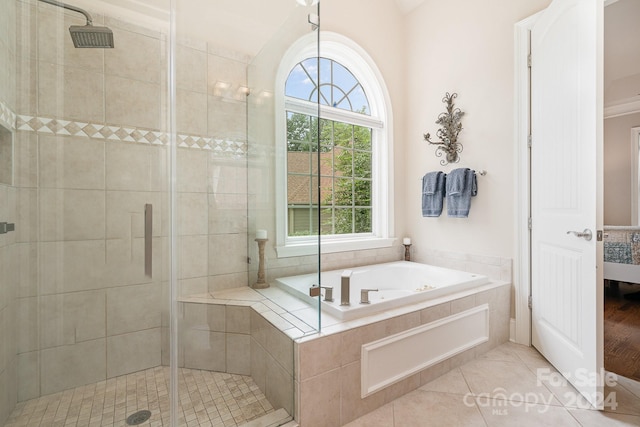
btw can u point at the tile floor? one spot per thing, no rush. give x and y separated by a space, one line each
207 398
502 388
511 385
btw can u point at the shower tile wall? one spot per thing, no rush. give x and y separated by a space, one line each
85 309
9 248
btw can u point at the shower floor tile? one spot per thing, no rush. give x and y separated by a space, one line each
210 399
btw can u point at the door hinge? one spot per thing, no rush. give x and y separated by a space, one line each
529 302
529 60
529 139
530 223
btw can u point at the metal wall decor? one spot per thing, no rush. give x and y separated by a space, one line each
451 125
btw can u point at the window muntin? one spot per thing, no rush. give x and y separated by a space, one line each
337 87
343 155
361 65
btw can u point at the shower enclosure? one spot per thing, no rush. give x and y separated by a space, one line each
133 183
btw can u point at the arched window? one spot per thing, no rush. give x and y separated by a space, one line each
335 134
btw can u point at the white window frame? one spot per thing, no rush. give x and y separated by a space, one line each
346 52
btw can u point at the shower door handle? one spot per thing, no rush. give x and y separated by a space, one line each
148 239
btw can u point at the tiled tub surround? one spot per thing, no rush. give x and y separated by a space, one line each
327 368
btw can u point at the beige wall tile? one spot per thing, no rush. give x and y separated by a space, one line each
353 339
227 281
28 269
26 85
133 352
402 323
71 93
238 319
69 366
191 69
28 375
238 348
71 318
259 358
225 76
192 214
27 225
125 213
136 56
280 346
133 308
192 171
192 251
320 356
134 167
321 412
436 312
352 405
227 176
72 214
462 304
227 119
204 350
26 159
279 385
227 253
204 317
71 162
71 266
125 262
195 286
227 213
27 318
191 112
132 102
55 44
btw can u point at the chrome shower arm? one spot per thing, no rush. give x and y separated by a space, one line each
72 8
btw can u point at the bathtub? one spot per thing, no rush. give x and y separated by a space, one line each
398 283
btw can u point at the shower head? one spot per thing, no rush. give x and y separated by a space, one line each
86 35
91 36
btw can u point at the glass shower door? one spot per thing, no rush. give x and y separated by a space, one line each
90 151
234 351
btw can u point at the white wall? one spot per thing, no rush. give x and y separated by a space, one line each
379 31
617 168
468 48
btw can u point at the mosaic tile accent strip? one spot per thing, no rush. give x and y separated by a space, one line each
206 399
222 147
7 117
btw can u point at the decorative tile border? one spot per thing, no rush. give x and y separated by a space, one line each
7 117
227 148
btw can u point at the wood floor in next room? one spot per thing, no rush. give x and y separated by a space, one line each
622 330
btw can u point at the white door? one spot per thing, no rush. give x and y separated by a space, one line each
566 185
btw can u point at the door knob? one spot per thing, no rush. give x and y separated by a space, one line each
586 234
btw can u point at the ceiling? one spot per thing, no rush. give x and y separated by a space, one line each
247 24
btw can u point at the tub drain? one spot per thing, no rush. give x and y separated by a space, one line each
138 417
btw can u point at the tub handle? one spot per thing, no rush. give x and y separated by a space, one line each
328 293
364 295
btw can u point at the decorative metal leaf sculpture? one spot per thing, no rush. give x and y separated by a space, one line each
451 125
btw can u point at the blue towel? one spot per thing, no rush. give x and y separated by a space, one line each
461 186
432 193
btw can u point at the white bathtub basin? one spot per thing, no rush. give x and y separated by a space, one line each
398 283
